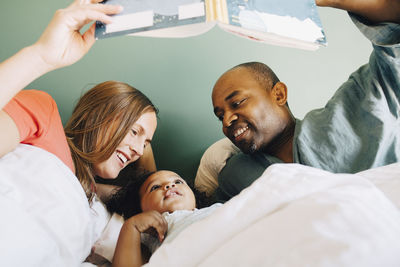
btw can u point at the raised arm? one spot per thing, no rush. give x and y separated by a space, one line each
128 250
61 44
373 10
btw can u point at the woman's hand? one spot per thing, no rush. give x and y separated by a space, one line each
62 44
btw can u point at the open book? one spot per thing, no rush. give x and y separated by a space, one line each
291 23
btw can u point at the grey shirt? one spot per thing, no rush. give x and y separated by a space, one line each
358 129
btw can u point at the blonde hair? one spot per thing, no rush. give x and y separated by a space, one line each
99 123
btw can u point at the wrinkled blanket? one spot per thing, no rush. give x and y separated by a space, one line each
295 215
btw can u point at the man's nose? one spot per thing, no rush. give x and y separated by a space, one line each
229 118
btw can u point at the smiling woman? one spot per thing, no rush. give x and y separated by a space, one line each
110 127
131 148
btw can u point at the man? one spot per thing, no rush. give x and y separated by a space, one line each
358 129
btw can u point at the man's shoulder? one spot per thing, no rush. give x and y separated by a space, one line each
244 167
252 160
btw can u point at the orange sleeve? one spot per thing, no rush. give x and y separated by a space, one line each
39 124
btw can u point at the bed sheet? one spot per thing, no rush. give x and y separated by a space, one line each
295 215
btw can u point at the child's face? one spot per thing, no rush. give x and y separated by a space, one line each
166 191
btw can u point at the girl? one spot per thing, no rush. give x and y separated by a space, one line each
152 204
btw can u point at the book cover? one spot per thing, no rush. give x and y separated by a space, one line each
151 15
292 23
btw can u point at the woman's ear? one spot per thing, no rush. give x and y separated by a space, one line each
279 93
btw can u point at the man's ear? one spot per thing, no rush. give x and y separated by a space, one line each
279 93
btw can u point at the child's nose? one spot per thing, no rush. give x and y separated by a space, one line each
170 185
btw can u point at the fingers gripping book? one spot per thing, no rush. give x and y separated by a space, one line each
290 23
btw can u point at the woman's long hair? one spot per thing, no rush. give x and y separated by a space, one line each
99 123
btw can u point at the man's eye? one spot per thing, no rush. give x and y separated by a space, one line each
220 118
237 103
154 187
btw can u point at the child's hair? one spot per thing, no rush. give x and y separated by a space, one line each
126 200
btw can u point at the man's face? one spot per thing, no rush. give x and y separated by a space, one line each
250 114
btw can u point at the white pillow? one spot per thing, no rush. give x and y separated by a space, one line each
46 219
211 163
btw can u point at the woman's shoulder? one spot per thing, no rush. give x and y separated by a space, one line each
33 95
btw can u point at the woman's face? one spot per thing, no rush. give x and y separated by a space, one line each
131 148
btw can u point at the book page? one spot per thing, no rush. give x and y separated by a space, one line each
292 19
146 16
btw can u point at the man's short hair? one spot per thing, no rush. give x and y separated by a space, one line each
262 73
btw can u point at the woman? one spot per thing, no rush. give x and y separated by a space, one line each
111 126
112 123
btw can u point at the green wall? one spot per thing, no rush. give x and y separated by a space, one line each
178 74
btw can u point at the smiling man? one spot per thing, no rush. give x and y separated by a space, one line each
358 129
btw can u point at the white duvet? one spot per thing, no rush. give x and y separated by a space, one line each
45 217
292 216
298 216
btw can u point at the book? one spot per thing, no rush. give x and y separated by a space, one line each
290 23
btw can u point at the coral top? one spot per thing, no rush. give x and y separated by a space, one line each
39 124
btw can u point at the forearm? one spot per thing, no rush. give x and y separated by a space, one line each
373 10
18 71
128 250
61 44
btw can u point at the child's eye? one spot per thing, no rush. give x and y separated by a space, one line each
154 187
178 182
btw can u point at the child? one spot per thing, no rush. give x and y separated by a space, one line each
151 205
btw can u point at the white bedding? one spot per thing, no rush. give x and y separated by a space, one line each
292 216
45 216
297 216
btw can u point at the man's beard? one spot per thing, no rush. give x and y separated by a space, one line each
248 148
253 148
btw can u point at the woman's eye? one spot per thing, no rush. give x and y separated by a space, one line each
154 187
134 132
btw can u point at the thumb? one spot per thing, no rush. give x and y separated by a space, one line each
88 37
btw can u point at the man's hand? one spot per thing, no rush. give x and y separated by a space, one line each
373 10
